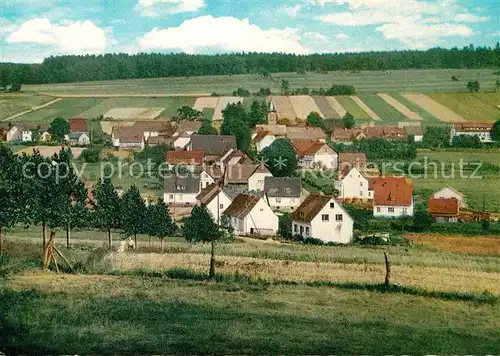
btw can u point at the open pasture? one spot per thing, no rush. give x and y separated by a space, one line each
388 114
15 103
49 151
479 107
436 109
133 113
351 107
400 107
424 81
428 117
476 245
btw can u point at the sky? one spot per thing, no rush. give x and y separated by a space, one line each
31 30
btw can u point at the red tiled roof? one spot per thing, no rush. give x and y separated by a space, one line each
473 126
392 191
77 125
352 159
185 157
307 147
443 206
340 133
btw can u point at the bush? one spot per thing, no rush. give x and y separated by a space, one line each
241 92
91 155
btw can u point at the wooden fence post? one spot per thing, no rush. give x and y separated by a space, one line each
387 270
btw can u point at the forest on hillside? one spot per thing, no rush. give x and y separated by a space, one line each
65 69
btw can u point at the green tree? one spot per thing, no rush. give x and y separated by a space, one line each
285 85
315 120
159 222
285 226
200 227
436 137
497 85
10 190
281 158
58 129
422 221
234 122
107 213
207 128
476 86
257 115
133 213
495 131
348 121
188 113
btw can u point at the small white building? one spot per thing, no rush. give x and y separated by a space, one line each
19 133
78 139
215 199
257 179
250 215
283 193
322 217
315 155
392 197
246 174
262 139
181 190
354 185
182 141
448 193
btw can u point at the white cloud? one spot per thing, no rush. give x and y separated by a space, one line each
293 11
226 33
314 36
155 8
341 36
68 37
416 23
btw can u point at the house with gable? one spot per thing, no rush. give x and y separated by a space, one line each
305 133
322 217
215 199
478 129
448 192
181 190
315 155
20 133
250 215
283 193
187 159
265 135
347 136
126 138
348 160
353 184
392 197
444 209
213 145
247 174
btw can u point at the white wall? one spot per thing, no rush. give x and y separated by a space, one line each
382 211
182 142
354 185
14 134
224 202
256 181
447 193
179 199
26 136
265 142
205 179
418 138
484 137
262 219
327 157
333 230
83 140
284 203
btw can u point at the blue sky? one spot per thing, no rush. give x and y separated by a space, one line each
31 30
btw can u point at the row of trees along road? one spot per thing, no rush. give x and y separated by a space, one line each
65 69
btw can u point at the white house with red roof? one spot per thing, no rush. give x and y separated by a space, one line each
392 197
314 154
479 129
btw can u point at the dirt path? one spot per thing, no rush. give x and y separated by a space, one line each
122 95
434 108
32 109
400 107
365 108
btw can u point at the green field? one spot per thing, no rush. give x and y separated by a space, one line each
12 104
351 107
472 107
486 188
386 112
428 118
279 300
422 81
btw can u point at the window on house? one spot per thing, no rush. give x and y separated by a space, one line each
360 184
332 205
378 209
325 217
360 194
301 230
307 230
338 217
390 209
405 211
221 206
171 197
261 209
278 200
260 182
295 227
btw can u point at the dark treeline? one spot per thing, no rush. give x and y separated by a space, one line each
65 69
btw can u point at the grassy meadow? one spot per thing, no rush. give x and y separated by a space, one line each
14 103
351 107
386 112
424 81
472 107
267 298
428 118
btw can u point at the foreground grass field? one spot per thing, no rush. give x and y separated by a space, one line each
425 81
161 303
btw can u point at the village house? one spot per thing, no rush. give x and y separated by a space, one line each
126 138
187 159
283 193
247 174
479 129
265 135
443 209
322 217
215 199
353 184
213 145
19 133
78 125
78 139
448 192
153 141
315 155
181 190
392 197
347 136
154 128
250 215
181 138
348 160
305 133
412 129
211 174
232 156
386 132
